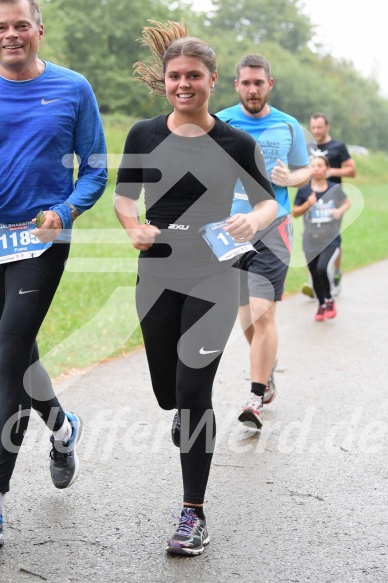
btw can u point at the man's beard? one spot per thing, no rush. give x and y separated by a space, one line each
257 108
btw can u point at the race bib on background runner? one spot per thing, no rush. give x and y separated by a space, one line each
17 242
322 212
221 243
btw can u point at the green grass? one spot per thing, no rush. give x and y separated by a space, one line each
92 316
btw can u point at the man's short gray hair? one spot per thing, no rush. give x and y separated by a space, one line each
35 9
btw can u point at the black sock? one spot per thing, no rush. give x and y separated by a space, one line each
258 389
198 511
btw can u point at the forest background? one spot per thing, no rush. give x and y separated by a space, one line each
100 39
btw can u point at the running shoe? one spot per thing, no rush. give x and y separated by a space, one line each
336 290
191 535
320 316
64 464
270 389
307 290
331 310
176 430
1 531
252 411
336 284
337 278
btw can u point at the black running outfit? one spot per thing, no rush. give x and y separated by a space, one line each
335 151
187 300
27 288
321 241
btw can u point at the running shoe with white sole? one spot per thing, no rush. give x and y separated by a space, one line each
64 463
252 411
191 536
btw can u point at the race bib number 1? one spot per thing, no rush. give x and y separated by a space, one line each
17 242
221 243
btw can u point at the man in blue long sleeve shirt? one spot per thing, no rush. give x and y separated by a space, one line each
48 115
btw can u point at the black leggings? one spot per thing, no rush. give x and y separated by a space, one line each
186 324
319 267
27 288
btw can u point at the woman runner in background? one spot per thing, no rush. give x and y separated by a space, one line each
322 204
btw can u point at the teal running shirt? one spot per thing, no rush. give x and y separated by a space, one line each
280 137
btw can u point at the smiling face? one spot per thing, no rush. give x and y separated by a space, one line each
20 36
188 84
253 87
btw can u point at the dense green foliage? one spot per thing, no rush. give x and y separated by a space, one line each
100 38
278 21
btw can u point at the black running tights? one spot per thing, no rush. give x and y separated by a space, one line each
27 288
319 267
186 324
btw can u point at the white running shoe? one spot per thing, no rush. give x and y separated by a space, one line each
252 411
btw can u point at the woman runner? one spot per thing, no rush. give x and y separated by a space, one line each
322 204
187 299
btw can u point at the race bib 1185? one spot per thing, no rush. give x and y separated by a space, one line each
17 242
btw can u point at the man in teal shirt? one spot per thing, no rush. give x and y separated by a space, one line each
282 141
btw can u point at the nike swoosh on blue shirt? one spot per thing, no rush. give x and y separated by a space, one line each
44 102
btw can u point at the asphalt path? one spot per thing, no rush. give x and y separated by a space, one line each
305 500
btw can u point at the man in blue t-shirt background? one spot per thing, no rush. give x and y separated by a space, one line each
283 144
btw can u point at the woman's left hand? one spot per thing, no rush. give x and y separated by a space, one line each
241 226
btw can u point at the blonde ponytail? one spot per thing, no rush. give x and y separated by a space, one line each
158 39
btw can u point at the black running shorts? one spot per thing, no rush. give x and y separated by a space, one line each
263 273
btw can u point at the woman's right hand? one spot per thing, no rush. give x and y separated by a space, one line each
127 211
143 236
